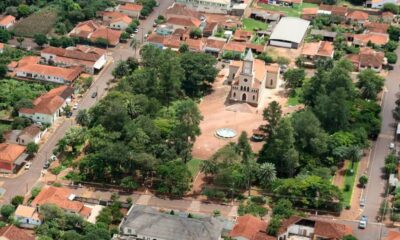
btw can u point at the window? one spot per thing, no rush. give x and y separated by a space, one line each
254 97
245 80
234 94
272 81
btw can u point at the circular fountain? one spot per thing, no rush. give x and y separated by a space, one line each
225 133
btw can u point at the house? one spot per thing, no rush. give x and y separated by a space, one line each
376 27
25 136
12 157
378 3
235 47
378 39
92 31
326 35
208 6
256 48
303 228
309 13
368 58
273 74
27 217
132 10
12 232
214 45
195 45
116 20
285 35
248 80
265 15
29 67
7 22
143 222
91 59
49 106
210 29
183 23
387 17
247 227
358 17
338 11
393 236
241 35
182 11
63 198
314 51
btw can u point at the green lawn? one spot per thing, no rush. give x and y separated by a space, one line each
350 179
252 24
294 11
194 166
295 99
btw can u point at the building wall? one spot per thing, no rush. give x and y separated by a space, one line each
39 117
28 222
206 6
8 26
119 25
41 77
272 79
133 14
25 139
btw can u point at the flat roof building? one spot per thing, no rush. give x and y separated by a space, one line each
289 32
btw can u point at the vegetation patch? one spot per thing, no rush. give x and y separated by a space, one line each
38 23
291 11
349 179
294 98
252 24
194 166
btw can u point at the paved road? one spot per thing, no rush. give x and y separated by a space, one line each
375 190
23 183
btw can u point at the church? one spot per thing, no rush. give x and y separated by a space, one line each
250 77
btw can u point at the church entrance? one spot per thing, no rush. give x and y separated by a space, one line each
244 97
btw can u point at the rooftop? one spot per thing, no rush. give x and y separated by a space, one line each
6 20
12 232
131 7
10 152
358 15
285 31
247 227
186 22
26 212
322 48
375 38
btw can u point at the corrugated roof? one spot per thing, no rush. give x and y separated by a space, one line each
290 29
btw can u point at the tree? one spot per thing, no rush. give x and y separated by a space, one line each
20 40
280 151
363 180
394 33
5 36
391 57
121 70
32 148
3 70
83 118
195 33
266 174
199 73
101 42
173 178
294 77
274 226
244 147
17 200
7 210
40 39
183 48
134 44
370 84
283 208
349 237
354 154
124 36
282 60
390 7
23 10
272 114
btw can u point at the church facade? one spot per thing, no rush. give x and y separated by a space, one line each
250 77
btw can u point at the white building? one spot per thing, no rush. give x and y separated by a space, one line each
378 3
208 6
27 217
289 32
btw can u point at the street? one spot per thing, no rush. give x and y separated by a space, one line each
24 183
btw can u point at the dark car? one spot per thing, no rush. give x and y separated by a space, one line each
46 165
94 94
68 114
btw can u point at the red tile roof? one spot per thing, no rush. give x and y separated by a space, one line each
371 58
331 230
309 11
247 226
212 43
335 10
242 35
75 53
7 20
11 232
195 44
92 31
376 27
393 236
49 102
235 47
375 38
185 22
131 7
358 16
10 152
68 74
181 10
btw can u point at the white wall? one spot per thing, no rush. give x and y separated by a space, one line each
40 77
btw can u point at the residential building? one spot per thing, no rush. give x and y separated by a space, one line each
30 134
241 35
285 35
91 59
326 35
376 27
378 39
208 6
357 16
12 157
130 9
63 198
195 45
378 3
314 51
210 29
7 22
92 31
11 232
312 229
27 217
248 79
338 11
235 47
265 15
30 68
368 58
309 13
183 23
143 222
49 106
247 227
116 20
214 45
387 17
182 11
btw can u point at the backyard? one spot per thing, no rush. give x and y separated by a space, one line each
40 22
290 11
252 24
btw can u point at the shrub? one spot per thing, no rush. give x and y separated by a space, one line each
253 209
347 187
17 200
214 194
391 57
6 210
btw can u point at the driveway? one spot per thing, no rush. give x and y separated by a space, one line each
24 182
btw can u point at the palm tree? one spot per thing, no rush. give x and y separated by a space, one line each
266 173
354 154
134 44
209 167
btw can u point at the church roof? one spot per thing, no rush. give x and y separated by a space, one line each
249 56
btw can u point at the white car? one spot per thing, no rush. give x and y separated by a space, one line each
136 30
28 165
75 106
391 145
133 35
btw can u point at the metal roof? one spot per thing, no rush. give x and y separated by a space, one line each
290 29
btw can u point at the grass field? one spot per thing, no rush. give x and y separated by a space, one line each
39 22
295 99
252 24
349 179
294 11
194 166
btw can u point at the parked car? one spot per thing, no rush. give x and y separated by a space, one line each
28 165
136 30
46 165
53 158
75 107
362 202
133 35
68 114
94 94
363 222
391 146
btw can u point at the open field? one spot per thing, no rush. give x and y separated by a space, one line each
38 23
252 24
294 11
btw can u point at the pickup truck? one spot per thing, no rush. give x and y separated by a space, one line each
363 222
